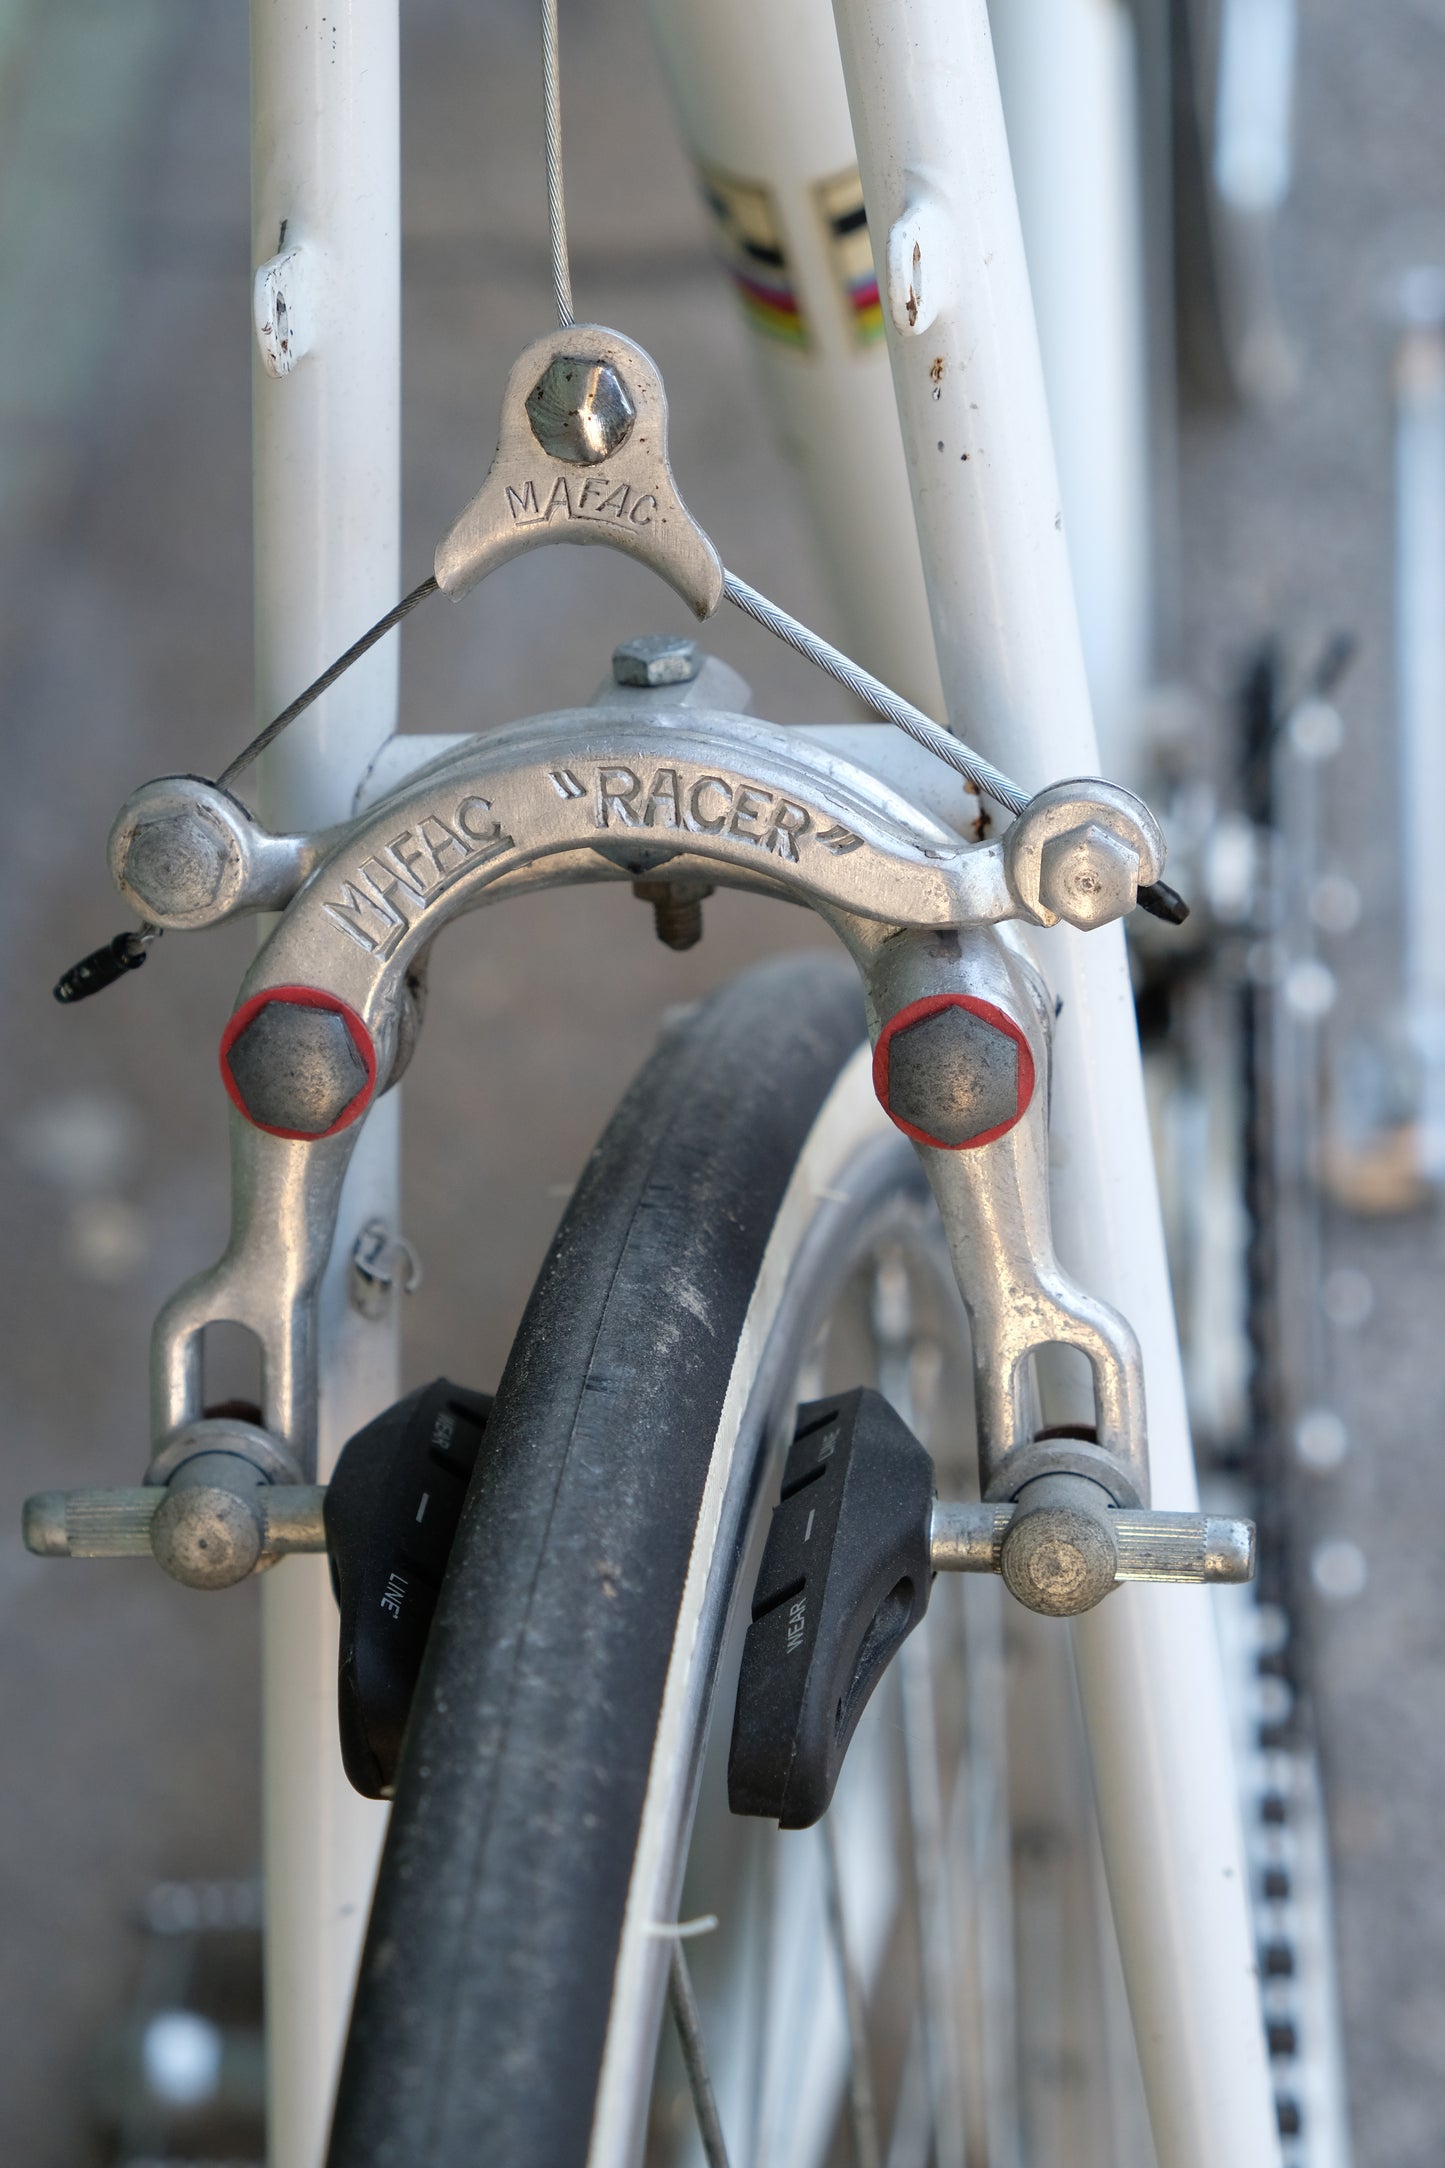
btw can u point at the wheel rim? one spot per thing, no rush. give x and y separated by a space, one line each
854 1997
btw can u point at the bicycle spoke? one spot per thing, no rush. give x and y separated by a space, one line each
860 2079
911 2138
762 1901
937 1951
980 1851
938 2014
953 1958
683 2004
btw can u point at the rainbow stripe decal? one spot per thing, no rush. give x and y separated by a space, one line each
749 234
840 205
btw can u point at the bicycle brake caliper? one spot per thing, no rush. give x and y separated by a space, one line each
961 1058
961 1065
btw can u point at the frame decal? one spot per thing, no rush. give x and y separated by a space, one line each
850 252
748 229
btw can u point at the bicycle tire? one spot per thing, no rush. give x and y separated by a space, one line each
511 1993
482 1949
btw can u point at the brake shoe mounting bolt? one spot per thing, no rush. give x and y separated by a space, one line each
1059 1557
207 1535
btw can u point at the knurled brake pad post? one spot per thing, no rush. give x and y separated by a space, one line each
582 457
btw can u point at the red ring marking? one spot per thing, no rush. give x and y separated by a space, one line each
930 1005
301 997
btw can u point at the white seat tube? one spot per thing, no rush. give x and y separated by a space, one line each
325 123
760 97
1068 70
929 128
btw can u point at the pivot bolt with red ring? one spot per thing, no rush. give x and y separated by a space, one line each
298 1062
953 1071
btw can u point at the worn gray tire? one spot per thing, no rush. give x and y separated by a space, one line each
509 2002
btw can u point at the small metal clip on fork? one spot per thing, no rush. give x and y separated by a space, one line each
375 1257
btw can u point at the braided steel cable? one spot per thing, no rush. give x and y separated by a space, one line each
556 203
875 694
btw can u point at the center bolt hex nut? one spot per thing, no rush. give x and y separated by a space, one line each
953 1071
298 1063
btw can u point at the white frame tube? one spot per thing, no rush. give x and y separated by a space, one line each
325 132
929 127
1420 693
1068 74
759 93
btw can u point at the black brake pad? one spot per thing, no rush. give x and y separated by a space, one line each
392 1511
844 1580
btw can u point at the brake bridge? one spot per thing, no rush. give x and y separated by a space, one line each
591 794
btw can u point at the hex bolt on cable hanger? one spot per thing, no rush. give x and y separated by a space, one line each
663 782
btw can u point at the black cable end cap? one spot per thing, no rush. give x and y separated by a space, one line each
1162 901
101 968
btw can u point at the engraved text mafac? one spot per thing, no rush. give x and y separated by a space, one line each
575 498
391 889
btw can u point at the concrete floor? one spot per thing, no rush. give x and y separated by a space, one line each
129 1705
